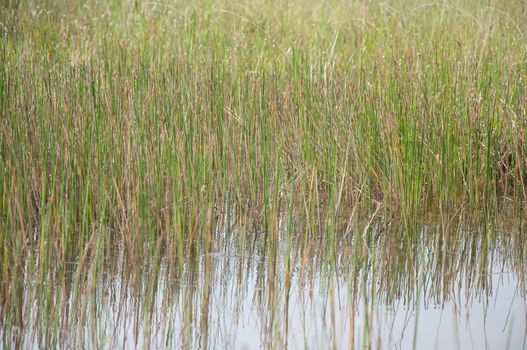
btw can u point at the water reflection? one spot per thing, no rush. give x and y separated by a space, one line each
435 289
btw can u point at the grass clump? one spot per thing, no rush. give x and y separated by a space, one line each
149 125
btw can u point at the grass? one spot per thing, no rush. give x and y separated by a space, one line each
154 125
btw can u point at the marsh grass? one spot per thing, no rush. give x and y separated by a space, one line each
147 128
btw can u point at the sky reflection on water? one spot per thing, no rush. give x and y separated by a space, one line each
239 294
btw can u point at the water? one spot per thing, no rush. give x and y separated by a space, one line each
437 291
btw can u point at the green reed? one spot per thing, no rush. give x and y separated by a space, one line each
152 125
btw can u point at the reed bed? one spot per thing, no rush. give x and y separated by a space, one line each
148 127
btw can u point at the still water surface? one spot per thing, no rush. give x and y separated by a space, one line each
436 291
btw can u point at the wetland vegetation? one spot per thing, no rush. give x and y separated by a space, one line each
304 174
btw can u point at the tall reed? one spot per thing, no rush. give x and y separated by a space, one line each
152 125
